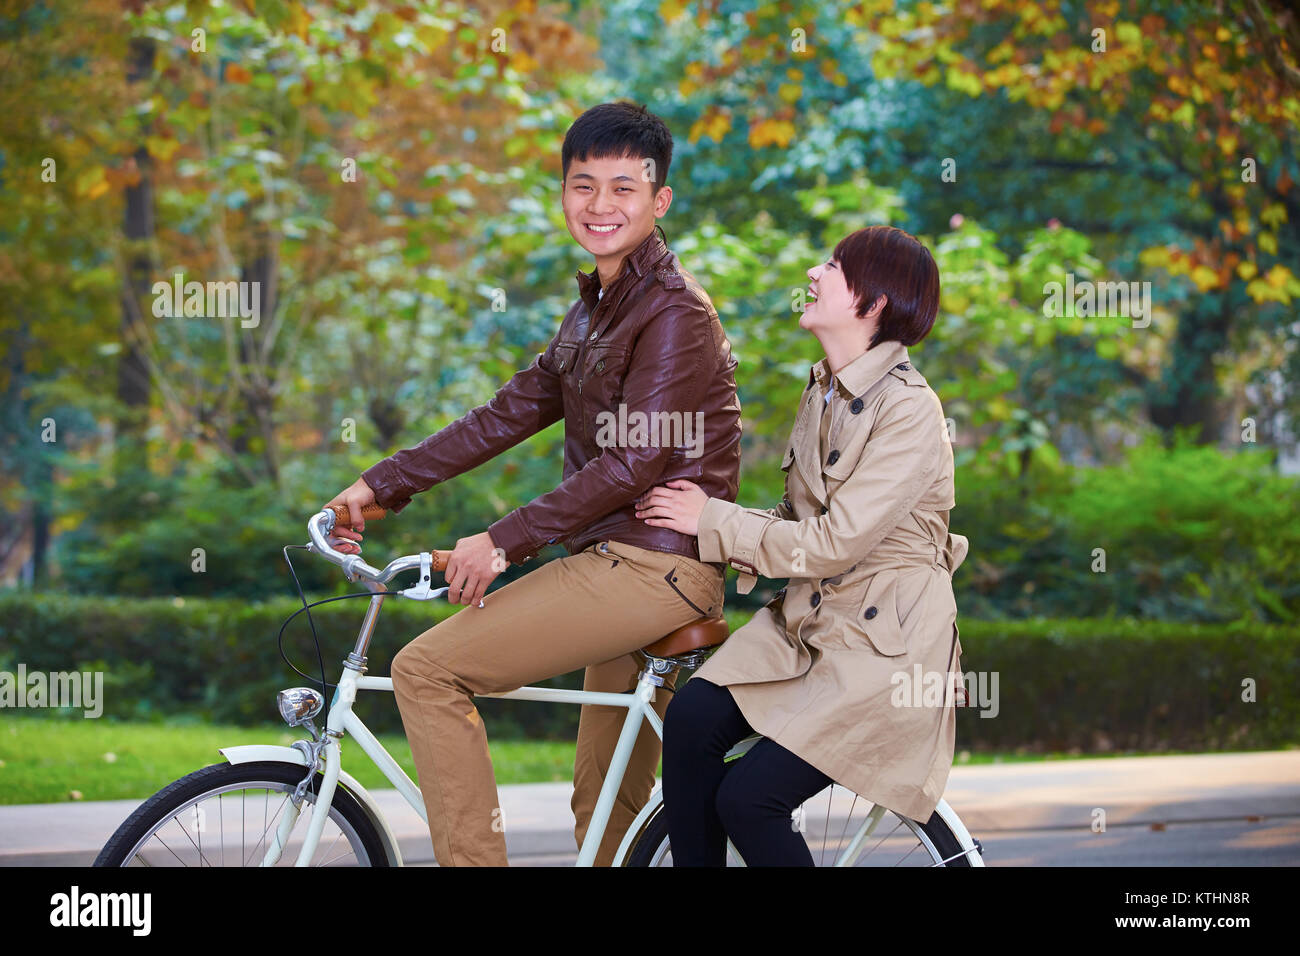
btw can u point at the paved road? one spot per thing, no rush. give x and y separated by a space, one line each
1206 810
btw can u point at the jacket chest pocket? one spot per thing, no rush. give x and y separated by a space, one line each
876 618
566 357
565 364
603 371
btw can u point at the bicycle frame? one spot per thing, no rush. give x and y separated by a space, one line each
341 720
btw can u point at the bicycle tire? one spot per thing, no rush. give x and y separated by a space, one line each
653 840
176 796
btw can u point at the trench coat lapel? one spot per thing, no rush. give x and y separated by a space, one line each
858 379
807 456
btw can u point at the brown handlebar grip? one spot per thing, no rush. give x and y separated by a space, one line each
439 562
368 513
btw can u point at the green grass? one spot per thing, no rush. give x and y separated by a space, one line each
49 759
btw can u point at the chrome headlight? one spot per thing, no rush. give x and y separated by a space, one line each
299 704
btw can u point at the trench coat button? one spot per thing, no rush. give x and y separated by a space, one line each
591 337
815 599
870 612
903 366
833 458
600 366
825 509
855 406
560 367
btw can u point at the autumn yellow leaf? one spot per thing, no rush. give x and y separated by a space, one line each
714 125
299 20
1261 291
671 10
91 179
1273 215
521 62
161 147
770 132
1205 278
1278 276
1247 270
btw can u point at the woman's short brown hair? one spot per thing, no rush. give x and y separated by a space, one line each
883 260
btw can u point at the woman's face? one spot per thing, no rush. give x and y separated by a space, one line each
832 306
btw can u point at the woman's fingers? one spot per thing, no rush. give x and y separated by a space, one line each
658 496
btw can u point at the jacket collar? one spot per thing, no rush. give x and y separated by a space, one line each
864 371
636 263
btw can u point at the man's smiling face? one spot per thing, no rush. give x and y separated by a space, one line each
610 206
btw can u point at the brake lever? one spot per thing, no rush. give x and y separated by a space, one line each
420 591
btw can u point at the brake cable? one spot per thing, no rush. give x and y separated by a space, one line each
325 685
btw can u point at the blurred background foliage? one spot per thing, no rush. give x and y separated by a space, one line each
213 139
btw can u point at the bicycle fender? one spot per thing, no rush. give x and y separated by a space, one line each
251 753
949 816
651 805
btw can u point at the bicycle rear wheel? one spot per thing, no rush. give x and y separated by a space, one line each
228 815
829 822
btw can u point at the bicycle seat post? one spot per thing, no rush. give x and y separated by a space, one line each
654 671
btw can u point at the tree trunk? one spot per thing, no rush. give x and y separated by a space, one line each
133 386
1187 395
257 417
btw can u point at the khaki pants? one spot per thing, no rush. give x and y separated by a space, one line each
593 609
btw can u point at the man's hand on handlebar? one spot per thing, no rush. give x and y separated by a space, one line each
471 568
355 497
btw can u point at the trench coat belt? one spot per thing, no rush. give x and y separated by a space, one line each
949 557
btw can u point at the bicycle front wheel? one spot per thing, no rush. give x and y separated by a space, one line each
830 821
231 814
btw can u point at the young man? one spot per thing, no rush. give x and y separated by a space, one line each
641 345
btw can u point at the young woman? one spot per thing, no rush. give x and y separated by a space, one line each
838 673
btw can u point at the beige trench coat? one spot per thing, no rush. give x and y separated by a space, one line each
837 668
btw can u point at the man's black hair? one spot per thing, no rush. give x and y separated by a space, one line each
618 130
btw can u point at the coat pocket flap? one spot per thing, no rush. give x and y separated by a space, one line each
878 616
607 358
565 356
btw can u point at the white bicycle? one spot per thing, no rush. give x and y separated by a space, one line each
272 805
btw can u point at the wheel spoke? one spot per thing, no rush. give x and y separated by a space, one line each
336 839
261 839
189 809
186 831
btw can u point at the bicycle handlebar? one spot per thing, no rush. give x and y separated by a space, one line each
322 523
368 513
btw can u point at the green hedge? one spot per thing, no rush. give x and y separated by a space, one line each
1092 684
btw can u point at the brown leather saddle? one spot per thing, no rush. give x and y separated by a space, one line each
702 634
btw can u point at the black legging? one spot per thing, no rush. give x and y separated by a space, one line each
749 800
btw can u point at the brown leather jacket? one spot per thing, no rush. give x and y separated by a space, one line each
653 345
